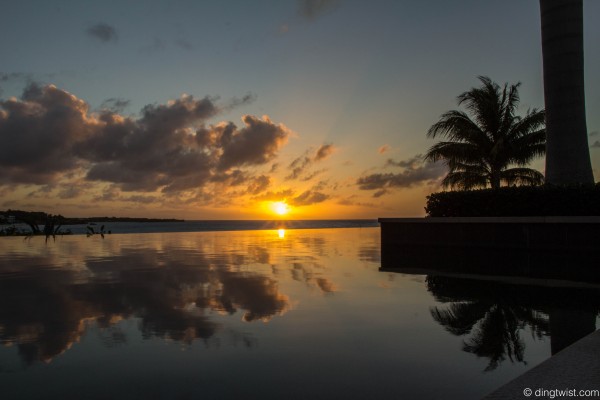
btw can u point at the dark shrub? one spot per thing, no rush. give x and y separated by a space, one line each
519 201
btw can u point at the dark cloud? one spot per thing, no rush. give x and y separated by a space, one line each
72 190
259 184
257 143
411 163
307 198
275 196
38 134
596 144
324 151
380 193
116 105
321 185
351 202
141 199
312 175
51 133
416 172
311 9
157 150
103 32
236 102
233 178
300 166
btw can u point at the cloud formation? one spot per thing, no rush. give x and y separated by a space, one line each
40 132
300 166
103 32
259 184
169 147
307 198
255 144
415 172
324 151
115 104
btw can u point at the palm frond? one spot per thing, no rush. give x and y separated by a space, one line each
457 126
522 176
475 166
533 121
455 151
510 102
464 180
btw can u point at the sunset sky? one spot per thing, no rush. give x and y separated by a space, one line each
223 109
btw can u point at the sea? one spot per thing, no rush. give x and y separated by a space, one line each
265 310
218 225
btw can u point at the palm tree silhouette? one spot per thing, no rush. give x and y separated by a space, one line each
484 142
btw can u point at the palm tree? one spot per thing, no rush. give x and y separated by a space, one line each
568 153
489 144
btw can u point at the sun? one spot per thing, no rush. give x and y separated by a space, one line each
281 207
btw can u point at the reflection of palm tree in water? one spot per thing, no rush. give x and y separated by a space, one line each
495 314
494 328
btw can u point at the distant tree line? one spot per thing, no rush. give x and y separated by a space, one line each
41 218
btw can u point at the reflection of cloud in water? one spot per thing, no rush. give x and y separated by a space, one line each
326 285
257 295
303 273
370 253
315 245
180 287
171 290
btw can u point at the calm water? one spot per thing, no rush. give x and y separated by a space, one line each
262 314
219 225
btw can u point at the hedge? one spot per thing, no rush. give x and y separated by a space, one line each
519 201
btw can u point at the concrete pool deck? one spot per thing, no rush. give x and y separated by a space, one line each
576 368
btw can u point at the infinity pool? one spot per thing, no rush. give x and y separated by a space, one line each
301 314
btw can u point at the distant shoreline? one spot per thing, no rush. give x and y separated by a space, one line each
79 221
